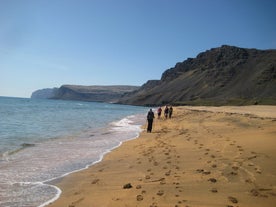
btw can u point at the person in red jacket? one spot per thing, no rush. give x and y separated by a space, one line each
159 111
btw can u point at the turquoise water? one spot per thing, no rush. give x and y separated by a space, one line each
41 140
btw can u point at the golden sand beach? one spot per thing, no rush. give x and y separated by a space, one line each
203 156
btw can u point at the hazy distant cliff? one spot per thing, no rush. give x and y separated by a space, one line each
45 93
219 76
92 93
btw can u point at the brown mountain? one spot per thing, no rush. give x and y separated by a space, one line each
225 75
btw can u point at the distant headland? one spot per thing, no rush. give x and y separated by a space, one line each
85 93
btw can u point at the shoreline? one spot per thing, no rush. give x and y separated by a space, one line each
54 181
197 152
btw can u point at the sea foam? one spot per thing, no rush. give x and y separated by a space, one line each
28 172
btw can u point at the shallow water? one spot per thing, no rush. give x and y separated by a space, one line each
42 140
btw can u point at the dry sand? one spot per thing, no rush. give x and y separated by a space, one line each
203 156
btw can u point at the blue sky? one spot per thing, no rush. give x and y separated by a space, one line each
47 43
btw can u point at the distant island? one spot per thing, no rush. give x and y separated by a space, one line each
226 75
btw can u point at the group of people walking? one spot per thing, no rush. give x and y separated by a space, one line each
167 114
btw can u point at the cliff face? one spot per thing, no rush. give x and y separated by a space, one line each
45 93
92 93
219 76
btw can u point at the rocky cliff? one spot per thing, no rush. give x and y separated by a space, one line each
45 93
92 93
225 75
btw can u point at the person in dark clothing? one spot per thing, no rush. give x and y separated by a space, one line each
150 118
166 112
170 111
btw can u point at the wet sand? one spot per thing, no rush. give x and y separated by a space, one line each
203 156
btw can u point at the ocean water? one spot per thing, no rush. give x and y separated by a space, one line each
42 140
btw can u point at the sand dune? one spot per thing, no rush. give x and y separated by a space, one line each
203 156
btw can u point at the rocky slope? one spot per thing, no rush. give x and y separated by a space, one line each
225 75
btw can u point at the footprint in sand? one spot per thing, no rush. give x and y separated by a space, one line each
160 193
139 198
203 171
233 199
147 177
76 202
233 173
138 186
96 181
116 199
153 205
213 180
255 192
258 170
248 181
235 167
206 173
252 157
